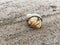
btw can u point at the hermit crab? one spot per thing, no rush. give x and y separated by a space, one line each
34 20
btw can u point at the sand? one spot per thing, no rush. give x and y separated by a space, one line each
14 29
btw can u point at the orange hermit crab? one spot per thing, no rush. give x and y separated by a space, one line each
34 20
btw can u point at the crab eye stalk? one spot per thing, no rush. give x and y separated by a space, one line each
34 20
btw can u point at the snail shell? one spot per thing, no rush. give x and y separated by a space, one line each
34 21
